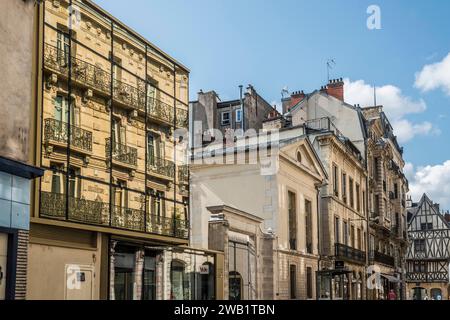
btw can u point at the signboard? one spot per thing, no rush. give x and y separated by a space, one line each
204 269
339 265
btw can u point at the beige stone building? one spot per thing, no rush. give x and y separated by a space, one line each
275 188
388 188
111 219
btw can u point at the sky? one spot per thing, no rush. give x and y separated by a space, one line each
287 43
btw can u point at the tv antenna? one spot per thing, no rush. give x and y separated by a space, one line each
284 92
330 65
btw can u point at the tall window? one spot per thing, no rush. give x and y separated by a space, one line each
178 281
352 200
117 68
58 178
63 46
120 195
344 187
364 202
309 283
345 233
118 133
352 237
395 190
337 225
335 180
377 205
360 240
74 182
309 227
64 110
358 198
292 208
293 281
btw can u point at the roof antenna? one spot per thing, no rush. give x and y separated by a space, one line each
330 64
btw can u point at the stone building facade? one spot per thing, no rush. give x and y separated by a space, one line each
114 200
282 192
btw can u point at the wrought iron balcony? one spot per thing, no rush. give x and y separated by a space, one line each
121 153
350 254
385 259
129 95
58 131
168 226
161 167
160 111
129 219
53 205
82 72
183 174
182 118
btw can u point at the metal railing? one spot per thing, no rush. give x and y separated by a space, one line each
182 118
58 131
350 254
53 206
385 259
160 111
183 174
161 167
129 95
121 153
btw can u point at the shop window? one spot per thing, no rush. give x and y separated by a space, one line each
235 285
178 279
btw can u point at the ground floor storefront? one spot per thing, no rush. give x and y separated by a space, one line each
428 291
382 280
72 264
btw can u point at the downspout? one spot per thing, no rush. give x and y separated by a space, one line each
319 220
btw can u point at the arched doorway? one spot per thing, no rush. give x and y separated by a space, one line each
419 293
436 294
207 282
235 286
177 277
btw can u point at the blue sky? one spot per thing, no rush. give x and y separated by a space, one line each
272 44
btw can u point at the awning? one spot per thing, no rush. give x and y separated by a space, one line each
391 278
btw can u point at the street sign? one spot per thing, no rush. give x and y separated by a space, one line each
204 269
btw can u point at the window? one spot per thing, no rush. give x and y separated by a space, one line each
360 240
337 225
309 227
309 283
352 237
63 46
117 68
344 187
335 181
120 194
63 111
395 190
157 206
420 266
186 208
358 198
178 281
377 205
74 182
345 232
299 157
239 115
118 135
376 172
58 178
419 246
426 226
364 202
293 281
351 190
226 118
292 220
154 148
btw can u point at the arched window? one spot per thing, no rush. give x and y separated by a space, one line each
235 285
299 156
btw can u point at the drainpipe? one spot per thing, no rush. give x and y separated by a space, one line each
242 108
319 220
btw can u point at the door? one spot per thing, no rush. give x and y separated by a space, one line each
3 264
79 282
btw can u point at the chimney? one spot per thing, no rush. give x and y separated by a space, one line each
293 100
335 88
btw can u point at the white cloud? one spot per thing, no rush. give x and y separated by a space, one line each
432 180
395 104
435 76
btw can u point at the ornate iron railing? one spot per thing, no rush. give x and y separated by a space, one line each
183 174
168 226
121 153
53 205
160 111
126 218
83 72
182 118
376 256
129 95
350 254
58 131
161 167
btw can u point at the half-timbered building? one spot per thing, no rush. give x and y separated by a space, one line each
428 254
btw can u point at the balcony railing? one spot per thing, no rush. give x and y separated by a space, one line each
161 167
58 131
121 153
160 111
182 118
53 206
129 95
183 174
350 254
385 259
82 72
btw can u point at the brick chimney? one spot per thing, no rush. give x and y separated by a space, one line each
335 88
293 100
